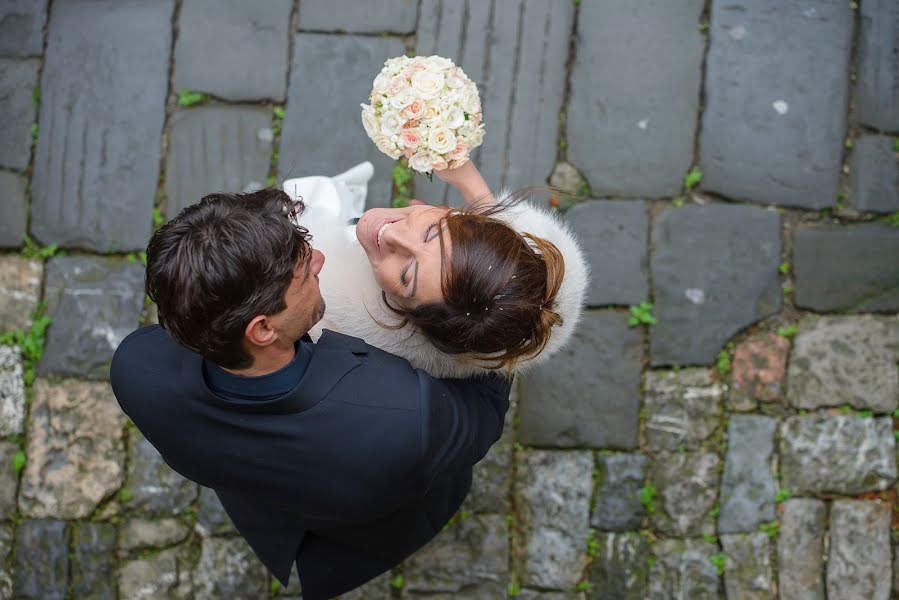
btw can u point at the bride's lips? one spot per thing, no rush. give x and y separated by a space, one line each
373 233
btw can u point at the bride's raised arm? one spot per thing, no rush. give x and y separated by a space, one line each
468 180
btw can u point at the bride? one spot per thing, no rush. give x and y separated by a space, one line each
497 284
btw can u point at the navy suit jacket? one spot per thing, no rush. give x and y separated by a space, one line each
347 474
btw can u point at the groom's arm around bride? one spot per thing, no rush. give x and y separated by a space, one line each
334 455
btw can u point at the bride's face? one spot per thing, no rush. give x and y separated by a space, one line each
403 248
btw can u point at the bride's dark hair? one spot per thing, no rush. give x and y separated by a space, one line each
499 289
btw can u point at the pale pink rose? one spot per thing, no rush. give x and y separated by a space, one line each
458 163
460 151
407 72
421 162
410 139
415 109
438 163
387 146
408 152
476 118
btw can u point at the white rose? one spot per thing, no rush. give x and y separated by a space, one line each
454 81
391 122
454 117
438 63
381 82
428 84
471 103
404 98
421 162
477 137
369 121
441 139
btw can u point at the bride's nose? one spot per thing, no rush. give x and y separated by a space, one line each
395 238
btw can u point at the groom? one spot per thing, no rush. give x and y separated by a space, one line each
334 455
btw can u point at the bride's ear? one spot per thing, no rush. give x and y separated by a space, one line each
259 331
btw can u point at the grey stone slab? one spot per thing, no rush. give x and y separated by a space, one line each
874 175
800 549
614 236
491 477
166 574
18 79
378 588
459 30
748 488
75 451
8 482
686 484
683 408
533 127
634 95
714 271
775 101
41 562
840 454
553 501
682 570
152 486
395 16
22 27
234 50
151 533
97 161
20 288
619 570
858 565
94 303
877 67
211 516
516 52
847 268
618 506
93 560
12 391
216 148
310 144
845 360
6 541
12 209
747 572
228 569
589 393
469 556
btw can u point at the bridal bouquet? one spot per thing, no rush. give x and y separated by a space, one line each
426 109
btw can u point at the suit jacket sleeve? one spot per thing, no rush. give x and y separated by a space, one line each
461 419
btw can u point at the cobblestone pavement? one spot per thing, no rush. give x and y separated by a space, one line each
734 163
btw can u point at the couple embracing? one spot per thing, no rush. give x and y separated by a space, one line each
337 409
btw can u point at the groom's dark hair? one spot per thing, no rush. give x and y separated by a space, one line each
220 263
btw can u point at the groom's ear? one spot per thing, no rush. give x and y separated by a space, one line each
259 331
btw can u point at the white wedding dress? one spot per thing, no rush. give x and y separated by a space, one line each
353 298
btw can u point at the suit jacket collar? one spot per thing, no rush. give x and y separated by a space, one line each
335 355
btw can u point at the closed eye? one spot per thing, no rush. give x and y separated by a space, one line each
431 228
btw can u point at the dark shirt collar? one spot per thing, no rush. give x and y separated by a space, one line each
262 387
335 355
